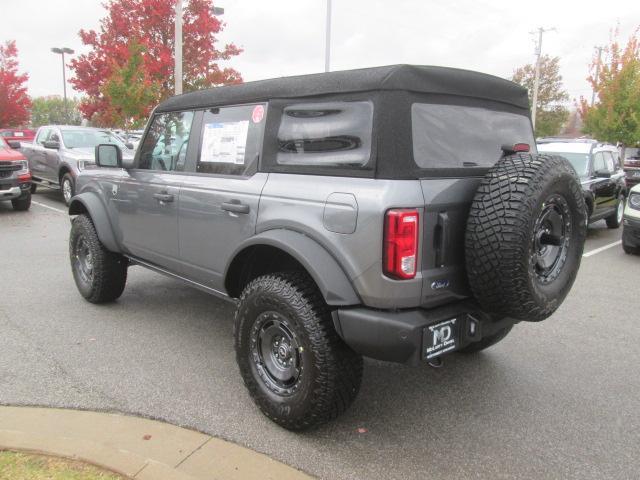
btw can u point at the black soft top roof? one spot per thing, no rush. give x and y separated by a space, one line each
412 78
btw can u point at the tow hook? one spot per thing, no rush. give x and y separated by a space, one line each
436 362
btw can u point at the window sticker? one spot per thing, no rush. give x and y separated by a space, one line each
224 142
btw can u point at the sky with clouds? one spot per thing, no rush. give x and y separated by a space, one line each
286 37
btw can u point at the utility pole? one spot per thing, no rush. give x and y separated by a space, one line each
536 80
593 95
327 45
177 71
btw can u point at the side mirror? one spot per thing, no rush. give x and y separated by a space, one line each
52 144
108 155
129 145
14 144
602 173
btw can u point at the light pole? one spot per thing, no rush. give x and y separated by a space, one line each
327 40
177 72
62 51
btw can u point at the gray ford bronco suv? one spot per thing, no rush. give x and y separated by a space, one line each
400 213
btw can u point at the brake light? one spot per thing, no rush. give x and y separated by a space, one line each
401 243
521 147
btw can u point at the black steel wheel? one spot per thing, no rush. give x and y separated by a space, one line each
551 239
296 368
99 274
276 353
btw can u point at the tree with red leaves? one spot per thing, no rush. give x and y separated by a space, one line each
150 24
14 101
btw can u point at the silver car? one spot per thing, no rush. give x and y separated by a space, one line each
58 153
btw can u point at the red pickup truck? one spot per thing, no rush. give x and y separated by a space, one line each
15 177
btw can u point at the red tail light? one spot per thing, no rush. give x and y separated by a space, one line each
401 243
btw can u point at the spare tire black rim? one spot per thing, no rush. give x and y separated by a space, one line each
275 351
551 239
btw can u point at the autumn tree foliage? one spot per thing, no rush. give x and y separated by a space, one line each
615 116
551 110
149 24
14 101
130 89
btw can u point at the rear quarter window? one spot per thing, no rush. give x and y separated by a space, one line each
327 134
454 136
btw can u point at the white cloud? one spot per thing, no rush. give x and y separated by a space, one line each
286 37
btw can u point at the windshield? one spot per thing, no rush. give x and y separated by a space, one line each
580 161
88 138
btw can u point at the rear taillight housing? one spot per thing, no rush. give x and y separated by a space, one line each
401 243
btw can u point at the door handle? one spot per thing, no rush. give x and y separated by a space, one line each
235 207
163 197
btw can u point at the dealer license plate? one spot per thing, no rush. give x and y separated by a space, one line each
440 338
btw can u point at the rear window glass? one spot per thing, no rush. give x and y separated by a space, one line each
326 134
453 136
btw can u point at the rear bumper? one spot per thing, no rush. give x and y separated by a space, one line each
631 232
397 336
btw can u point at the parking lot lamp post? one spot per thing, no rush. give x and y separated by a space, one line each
62 51
177 72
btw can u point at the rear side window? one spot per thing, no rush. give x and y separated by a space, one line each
231 139
453 136
326 134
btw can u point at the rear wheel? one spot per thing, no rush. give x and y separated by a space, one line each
297 369
629 250
615 220
22 203
100 274
525 235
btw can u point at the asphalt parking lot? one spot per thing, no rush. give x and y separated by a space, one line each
558 399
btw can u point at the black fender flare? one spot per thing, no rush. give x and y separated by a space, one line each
333 282
90 203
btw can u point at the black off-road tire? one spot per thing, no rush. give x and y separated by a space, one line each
108 273
503 238
331 372
22 203
629 250
487 341
615 219
67 179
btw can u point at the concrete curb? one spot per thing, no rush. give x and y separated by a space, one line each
135 447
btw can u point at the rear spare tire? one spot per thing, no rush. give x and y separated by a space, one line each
525 235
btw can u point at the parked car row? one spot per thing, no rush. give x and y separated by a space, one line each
57 154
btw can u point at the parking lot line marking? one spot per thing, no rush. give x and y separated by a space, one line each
50 208
602 249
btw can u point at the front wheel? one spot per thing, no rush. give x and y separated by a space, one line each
68 187
615 220
100 274
22 203
297 369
